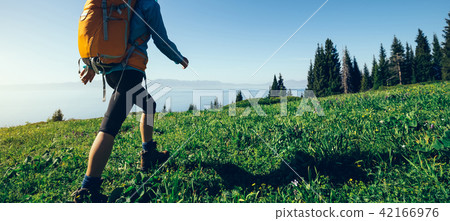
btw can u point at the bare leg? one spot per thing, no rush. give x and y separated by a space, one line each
146 128
99 154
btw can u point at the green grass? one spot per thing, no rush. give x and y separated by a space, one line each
379 146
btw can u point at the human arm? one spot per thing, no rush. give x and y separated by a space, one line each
160 38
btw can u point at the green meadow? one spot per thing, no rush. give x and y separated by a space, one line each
390 145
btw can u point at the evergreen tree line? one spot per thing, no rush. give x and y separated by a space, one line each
328 76
214 105
277 89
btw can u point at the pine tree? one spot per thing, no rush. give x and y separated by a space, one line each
346 72
310 77
320 83
216 104
57 116
274 83
436 59
422 61
365 81
355 76
382 67
445 63
281 86
192 107
377 82
332 68
274 87
370 80
407 74
324 73
239 96
289 93
396 62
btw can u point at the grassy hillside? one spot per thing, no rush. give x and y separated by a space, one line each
381 146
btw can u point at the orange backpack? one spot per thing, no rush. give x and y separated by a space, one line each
103 33
104 30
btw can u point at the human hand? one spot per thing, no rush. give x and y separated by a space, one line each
87 75
185 63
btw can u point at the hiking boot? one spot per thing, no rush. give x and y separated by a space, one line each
85 195
152 157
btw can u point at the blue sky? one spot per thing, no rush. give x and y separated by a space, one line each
224 40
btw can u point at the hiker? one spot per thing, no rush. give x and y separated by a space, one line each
122 78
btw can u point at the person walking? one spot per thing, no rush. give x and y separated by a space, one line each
146 23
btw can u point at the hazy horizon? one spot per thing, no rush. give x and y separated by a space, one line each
97 81
37 102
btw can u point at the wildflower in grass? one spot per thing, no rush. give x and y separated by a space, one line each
350 180
295 183
432 126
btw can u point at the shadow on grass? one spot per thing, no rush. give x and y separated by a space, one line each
339 169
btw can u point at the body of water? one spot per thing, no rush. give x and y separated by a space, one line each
29 104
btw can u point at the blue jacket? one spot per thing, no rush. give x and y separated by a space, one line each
148 20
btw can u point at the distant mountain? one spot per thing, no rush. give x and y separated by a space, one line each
294 84
174 84
177 84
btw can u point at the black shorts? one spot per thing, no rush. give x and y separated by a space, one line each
128 91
